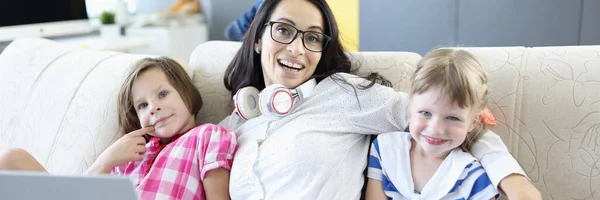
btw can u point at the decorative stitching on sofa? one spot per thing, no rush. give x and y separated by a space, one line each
35 83
50 153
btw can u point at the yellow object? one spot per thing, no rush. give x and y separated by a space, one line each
346 13
185 6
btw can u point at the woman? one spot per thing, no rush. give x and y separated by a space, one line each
319 149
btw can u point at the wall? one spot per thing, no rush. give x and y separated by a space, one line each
590 22
347 16
405 25
418 26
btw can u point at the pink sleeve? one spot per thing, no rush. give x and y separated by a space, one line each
124 169
219 145
116 171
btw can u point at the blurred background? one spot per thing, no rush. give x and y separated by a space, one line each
366 25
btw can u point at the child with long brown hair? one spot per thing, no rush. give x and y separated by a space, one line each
164 152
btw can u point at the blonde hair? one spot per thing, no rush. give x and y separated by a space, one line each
177 77
461 78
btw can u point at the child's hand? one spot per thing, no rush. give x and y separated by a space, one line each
128 148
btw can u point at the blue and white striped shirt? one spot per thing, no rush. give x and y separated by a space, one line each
460 176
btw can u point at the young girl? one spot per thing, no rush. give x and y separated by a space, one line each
447 101
164 152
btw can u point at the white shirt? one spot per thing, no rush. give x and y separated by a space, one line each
459 176
319 150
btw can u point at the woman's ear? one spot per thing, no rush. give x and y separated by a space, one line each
257 47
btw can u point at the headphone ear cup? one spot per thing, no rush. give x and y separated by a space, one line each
275 101
246 102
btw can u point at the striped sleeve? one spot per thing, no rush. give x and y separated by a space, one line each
477 182
219 145
483 188
375 170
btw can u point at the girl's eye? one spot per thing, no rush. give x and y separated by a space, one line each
142 106
163 94
425 113
452 118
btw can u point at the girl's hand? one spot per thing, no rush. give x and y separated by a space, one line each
375 190
128 148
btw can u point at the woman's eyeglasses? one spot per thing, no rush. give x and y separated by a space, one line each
285 33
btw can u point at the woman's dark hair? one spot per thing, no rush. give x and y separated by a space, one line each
246 70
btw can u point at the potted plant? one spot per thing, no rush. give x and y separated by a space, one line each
109 30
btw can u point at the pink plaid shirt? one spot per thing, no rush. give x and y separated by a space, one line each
179 168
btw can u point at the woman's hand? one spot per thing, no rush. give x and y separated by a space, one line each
130 147
517 187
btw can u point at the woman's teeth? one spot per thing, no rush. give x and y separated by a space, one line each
290 66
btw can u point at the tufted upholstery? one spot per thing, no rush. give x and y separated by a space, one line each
59 103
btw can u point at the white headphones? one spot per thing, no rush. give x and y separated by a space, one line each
273 102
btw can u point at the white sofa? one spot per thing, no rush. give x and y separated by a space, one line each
59 103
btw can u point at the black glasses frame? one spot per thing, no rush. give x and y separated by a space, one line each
298 31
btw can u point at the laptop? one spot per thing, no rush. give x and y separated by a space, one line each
28 185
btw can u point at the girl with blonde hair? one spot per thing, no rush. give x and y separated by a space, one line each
447 114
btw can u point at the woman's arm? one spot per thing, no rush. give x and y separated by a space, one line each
503 169
375 190
379 109
216 184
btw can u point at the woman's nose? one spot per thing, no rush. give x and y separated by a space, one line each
297 47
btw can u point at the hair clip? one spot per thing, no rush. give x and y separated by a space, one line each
487 117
